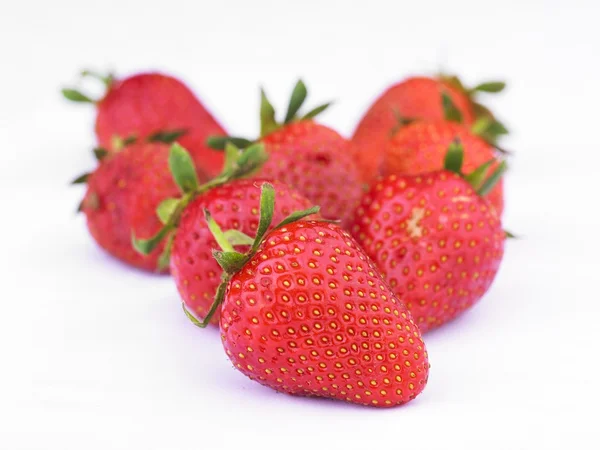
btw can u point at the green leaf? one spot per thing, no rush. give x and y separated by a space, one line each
76 96
182 168
129 140
192 317
81 179
236 237
219 142
481 125
217 302
107 79
230 262
100 153
217 232
232 154
316 111
296 100
491 87
510 235
454 81
489 184
267 115
477 177
166 208
146 246
164 259
453 160
451 112
166 136
250 160
297 215
267 207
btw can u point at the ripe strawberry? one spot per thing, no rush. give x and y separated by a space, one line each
305 312
436 240
157 107
236 207
122 194
421 147
419 98
312 158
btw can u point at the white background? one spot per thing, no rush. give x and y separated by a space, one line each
94 355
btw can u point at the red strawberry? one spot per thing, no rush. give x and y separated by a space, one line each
305 312
157 107
416 98
235 206
421 147
122 194
308 156
436 240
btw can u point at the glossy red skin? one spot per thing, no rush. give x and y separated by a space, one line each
128 186
233 206
310 315
318 162
437 242
414 98
146 103
422 146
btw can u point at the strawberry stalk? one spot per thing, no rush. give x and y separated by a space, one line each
268 122
232 261
238 164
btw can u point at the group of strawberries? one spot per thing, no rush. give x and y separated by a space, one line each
322 259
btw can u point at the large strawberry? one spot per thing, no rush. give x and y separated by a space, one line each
153 106
421 147
419 98
308 156
436 240
122 194
305 312
236 207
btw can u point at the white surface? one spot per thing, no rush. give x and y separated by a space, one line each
98 356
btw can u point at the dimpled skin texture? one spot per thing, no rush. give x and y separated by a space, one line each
414 98
310 315
122 195
146 103
233 206
422 146
437 242
316 161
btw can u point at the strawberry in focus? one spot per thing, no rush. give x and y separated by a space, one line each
436 240
152 106
418 98
305 312
236 207
310 157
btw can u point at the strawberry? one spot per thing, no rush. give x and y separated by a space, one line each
155 107
122 194
312 158
436 240
419 98
235 206
305 312
421 147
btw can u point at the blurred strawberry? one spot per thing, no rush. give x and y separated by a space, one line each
153 107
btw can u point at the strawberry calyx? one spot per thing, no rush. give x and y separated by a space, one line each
268 122
478 179
75 95
238 164
490 129
232 261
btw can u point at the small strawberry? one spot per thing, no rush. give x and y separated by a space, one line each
155 107
236 207
305 312
122 194
420 98
436 240
308 156
421 147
